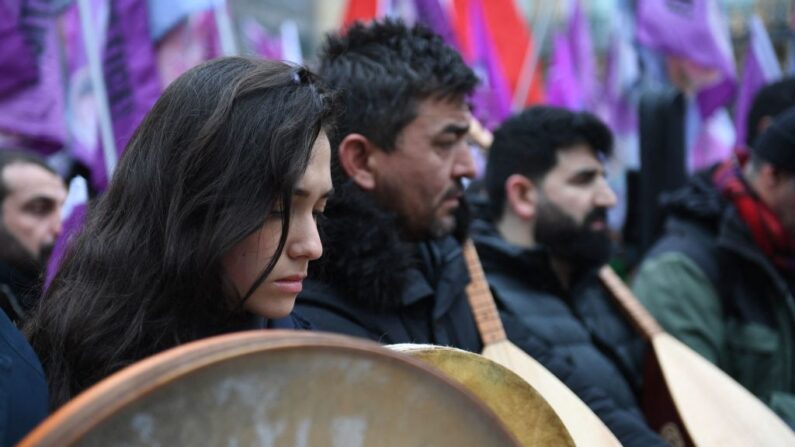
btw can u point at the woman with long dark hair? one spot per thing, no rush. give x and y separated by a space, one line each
207 227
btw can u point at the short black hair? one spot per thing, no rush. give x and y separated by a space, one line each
770 100
12 156
382 69
527 144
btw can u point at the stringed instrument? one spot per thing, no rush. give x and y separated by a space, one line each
584 426
280 388
522 410
687 399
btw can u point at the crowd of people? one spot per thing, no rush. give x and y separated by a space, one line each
257 195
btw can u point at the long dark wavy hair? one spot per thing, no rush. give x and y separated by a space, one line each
224 145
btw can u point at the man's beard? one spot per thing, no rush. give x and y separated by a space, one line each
578 245
17 256
420 227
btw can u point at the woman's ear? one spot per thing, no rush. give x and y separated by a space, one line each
521 196
356 159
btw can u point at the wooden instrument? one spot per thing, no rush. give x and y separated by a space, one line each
275 388
522 410
687 399
584 426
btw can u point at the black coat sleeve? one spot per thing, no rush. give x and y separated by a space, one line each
628 426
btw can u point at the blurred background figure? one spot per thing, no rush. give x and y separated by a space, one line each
541 249
722 278
31 196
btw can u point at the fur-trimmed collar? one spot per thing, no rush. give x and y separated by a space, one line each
364 257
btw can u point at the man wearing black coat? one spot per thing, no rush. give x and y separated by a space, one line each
392 270
541 249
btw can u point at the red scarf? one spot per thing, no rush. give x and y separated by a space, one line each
766 228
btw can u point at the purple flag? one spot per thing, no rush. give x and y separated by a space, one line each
492 98
695 31
760 68
81 108
130 74
165 15
129 67
621 75
17 61
35 113
579 39
74 213
431 14
189 44
714 141
261 42
563 85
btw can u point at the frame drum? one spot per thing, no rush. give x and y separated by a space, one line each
274 388
520 407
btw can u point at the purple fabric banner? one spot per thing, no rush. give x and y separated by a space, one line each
35 114
759 69
130 73
431 14
563 85
130 69
81 108
492 98
189 44
17 61
261 42
71 226
695 31
581 48
165 15
622 75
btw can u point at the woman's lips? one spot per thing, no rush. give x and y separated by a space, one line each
290 284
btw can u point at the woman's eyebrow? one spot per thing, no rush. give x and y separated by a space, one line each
304 193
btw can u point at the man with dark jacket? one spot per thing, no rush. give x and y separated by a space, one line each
31 196
541 249
721 278
392 270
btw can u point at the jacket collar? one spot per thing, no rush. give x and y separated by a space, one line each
368 263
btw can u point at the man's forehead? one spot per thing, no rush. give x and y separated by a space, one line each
30 179
444 111
578 158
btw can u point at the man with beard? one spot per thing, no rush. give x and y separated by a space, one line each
392 271
31 196
722 277
541 249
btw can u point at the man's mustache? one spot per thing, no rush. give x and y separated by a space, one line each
596 215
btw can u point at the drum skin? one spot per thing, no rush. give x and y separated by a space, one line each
275 388
520 407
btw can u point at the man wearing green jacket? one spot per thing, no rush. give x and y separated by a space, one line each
722 277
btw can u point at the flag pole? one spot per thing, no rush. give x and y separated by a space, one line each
224 24
531 55
98 83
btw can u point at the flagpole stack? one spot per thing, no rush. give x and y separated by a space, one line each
98 83
224 24
532 55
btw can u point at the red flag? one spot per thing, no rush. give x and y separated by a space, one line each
362 10
510 36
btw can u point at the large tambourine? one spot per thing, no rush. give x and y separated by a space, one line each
275 388
520 407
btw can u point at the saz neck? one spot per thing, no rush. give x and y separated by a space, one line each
484 310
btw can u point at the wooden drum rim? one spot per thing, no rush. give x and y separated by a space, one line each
104 399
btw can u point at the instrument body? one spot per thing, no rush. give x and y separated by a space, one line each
518 405
687 399
274 388
584 426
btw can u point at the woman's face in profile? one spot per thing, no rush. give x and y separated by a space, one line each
246 261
